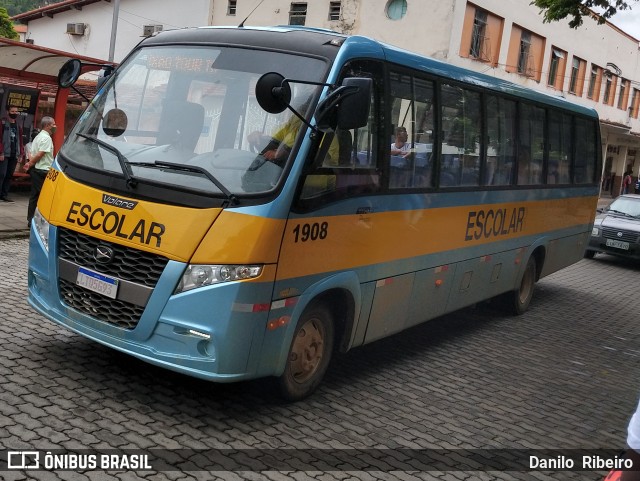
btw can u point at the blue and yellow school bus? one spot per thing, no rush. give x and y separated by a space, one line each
228 206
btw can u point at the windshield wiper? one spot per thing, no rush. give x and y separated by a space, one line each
621 213
122 160
191 168
625 214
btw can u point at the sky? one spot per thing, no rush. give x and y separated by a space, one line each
628 20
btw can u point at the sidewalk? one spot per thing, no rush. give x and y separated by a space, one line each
13 216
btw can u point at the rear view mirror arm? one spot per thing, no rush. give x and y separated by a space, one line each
273 92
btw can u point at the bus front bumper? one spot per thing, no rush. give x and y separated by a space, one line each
200 333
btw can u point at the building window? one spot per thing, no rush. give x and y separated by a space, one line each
479 41
396 9
298 14
478 36
526 53
573 81
623 98
525 60
576 80
231 7
481 35
595 81
334 10
609 88
635 103
592 81
556 68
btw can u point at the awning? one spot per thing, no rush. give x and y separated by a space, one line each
40 64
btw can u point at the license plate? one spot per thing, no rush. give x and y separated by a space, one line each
618 244
96 282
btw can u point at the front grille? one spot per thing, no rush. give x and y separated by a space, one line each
113 311
128 264
626 236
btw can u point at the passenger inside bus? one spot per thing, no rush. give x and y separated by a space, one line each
524 165
400 146
277 147
553 177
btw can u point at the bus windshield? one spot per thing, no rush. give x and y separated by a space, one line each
187 116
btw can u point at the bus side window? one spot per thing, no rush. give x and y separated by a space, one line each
586 155
350 166
410 162
531 145
560 148
460 143
499 150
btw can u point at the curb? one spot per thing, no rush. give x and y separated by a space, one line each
14 234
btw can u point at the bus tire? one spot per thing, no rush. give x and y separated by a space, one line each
589 254
518 300
309 354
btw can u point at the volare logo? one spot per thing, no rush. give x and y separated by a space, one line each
118 202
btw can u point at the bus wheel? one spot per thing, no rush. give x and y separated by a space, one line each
589 254
519 299
309 354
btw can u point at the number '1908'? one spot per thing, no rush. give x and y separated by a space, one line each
306 232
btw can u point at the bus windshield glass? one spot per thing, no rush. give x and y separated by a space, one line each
187 116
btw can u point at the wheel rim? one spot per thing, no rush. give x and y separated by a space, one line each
526 286
307 351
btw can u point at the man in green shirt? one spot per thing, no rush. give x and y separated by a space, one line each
40 162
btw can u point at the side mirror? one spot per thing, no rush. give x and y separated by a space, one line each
69 73
114 123
103 76
353 111
273 93
347 107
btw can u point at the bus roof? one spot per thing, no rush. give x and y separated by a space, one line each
318 42
326 43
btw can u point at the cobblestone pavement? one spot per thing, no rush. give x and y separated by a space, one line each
564 375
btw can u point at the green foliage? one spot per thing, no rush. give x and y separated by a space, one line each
14 7
554 10
6 27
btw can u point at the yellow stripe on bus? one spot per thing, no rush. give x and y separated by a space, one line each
310 245
359 240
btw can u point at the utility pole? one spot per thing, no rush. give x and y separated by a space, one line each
114 29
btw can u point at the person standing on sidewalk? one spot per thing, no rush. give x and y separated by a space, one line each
627 180
40 161
11 150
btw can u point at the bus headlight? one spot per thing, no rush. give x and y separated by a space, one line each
200 275
595 232
42 228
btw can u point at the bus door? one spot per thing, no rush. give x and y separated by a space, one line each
330 230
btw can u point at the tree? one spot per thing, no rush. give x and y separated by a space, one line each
14 7
6 27
554 10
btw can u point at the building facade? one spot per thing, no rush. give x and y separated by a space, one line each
596 65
